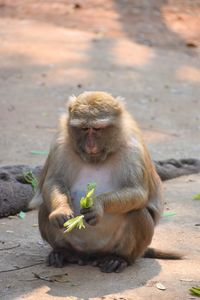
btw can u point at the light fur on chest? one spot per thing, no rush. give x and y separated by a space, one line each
102 176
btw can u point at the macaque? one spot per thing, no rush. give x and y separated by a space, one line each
98 141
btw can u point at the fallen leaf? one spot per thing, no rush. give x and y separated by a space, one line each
60 278
9 231
21 215
186 279
39 152
160 286
168 214
53 278
40 243
35 225
196 197
195 291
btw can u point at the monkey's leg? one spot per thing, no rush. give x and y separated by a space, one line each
138 234
62 252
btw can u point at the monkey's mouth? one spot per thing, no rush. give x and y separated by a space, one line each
94 157
94 154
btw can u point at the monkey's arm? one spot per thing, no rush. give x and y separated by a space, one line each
140 187
118 202
124 200
134 181
55 195
54 191
57 201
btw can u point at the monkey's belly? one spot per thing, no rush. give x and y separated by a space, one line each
104 236
108 232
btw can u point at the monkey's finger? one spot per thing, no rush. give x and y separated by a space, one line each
91 219
92 222
84 211
55 222
123 264
82 262
98 262
94 263
90 215
48 261
59 260
61 220
110 266
55 259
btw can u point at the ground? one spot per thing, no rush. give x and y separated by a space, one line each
145 51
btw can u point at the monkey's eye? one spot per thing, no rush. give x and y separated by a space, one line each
84 129
97 129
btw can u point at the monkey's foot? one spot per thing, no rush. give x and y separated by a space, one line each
60 257
57 259
111 263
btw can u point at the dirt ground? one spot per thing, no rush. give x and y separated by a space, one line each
145 51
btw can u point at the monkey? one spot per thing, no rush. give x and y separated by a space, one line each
99 141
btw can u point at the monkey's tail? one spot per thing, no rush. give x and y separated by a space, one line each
155 253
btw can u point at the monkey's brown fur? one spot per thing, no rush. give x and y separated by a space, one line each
99 141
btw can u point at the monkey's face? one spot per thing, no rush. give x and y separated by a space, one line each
93 125
94 144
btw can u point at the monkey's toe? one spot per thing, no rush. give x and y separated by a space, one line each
56 259
111 264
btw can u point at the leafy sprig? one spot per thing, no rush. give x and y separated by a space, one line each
30 178
85 202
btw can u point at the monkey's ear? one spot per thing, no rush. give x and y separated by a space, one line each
70 102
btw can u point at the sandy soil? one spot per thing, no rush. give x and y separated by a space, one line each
145 51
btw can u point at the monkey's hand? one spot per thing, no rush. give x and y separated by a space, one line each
93 214
60 215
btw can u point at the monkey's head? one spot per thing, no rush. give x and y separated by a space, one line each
94 125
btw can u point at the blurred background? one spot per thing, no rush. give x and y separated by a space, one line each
145 51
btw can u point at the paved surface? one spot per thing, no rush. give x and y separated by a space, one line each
147 53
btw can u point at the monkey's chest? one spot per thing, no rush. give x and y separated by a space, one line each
102 176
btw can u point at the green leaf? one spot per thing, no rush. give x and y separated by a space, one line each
89 194
30 178
21 215
87 201
39 152
195 291
91 185
196 197
90 202
168 214
83 202
74 222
